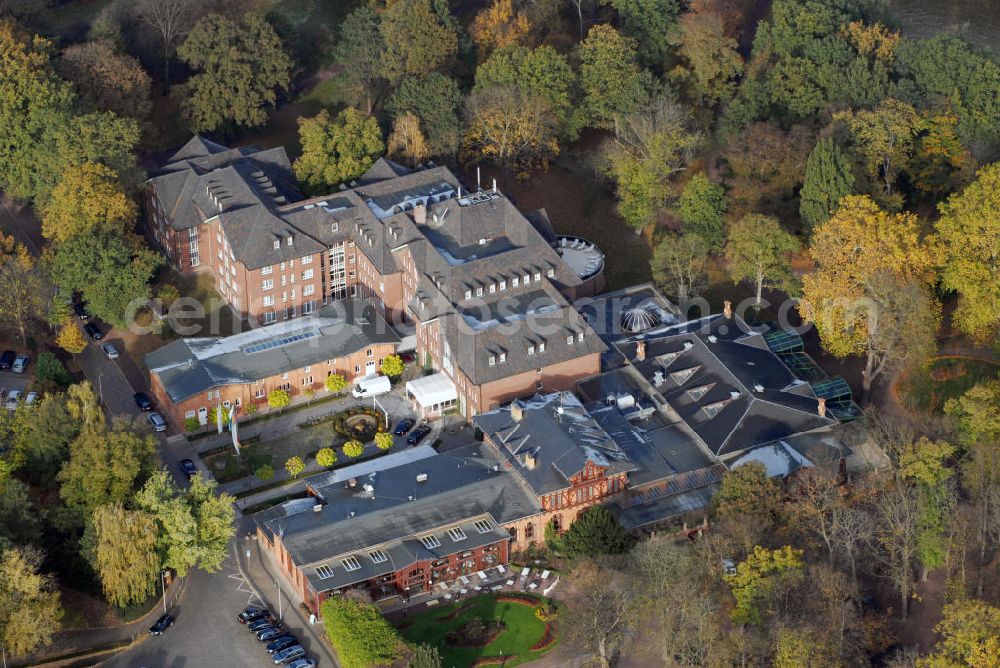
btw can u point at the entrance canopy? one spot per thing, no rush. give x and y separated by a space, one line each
432 392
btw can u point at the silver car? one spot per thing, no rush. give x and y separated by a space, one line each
288 654
155 419
110 351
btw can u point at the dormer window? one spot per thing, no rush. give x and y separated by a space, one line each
538 276
493 288
277 243
541 347
696 393
531 350
288 240
503 357
493 360
527 279
503 285
516 281
468 294
569 340
579 336
479 292
552 273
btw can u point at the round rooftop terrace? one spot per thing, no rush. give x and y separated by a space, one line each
583 257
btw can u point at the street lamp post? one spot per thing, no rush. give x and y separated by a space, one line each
163 585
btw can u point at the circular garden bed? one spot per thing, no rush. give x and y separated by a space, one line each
927 390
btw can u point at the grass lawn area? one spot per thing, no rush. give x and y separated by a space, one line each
522 631
302 442
927 390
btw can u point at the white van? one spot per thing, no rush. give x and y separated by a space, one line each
371 387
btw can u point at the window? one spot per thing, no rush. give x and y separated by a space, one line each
515 282
551 273
307 369
277 243
579 336
456 534
282 267
288 241
531 350
503 285
266 271
569 340
324 572
307 275
307 259
527 279
259 393
307 380
266 284
529 531
308 290
479 292
538 276
351 563
430 542
268 300
357 369
484 526
284 376
309 306
378 556
503 357
284 296
369 352
270 316
468 294
541 347
513 533
493 288
493 360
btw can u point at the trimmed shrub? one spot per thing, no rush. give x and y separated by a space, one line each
359 634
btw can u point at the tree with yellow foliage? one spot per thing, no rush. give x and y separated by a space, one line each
407 142
511 126
499 26
970 637
71 339
872 40
87 196
21 288
870 294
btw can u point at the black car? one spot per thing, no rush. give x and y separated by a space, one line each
161 625
143 402
403 426
80 309
252 614
188 468
270 633
419 434
281 642
263 622
7 359
93 331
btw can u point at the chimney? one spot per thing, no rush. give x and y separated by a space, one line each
529 461
516 411
353 482
318 507
727 309
821 407
640 351
420 214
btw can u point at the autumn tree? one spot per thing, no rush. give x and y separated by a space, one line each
393 366
604 615
923 465
760 251
977 413
757 575
435 100
22 291
648 150
886 137
359 53
294 466
417 39
828 178
337 150
326 457
702 209
335 383
611 81
895 539
30 611
407 142
125 555
712 62
498 26
941 163
653 24
88 197
278 398
353 448
510 126
763 166
970 636
239 69
869 295
680 261
383 440
107 80
71 339
969 234
747 492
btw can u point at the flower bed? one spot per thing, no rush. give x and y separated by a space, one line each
494 660
547 639
523 599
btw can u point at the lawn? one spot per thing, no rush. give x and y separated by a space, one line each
303 442
927 390
522 630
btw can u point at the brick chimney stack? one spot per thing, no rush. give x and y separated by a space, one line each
420 214
727 309
640 351
821 407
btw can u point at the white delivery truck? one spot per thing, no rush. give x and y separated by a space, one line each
371 386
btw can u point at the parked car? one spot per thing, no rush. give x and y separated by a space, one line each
407 358
20 364
80 309
403 426
161 625
93 331
12 399
31 398
7 358
281 642
251 614
258 624
142 401
155 419
418 434
188 468
269 634
288 654
110 351
302 663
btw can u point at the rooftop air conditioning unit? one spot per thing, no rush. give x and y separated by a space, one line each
421 477
317 507
712 338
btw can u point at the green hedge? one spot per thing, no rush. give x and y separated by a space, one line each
359 634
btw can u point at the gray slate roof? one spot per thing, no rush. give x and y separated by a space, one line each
191 365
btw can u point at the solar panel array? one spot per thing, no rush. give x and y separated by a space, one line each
279 341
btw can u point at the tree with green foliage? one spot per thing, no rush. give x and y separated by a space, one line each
757 576
611 81
125 555
239 69
977 413
886 137
969 633
20 519
359 633
435 100
88 198
50 371
335 383
747 492
337 150
923 465
392 366
107 79
295 466
383 440
278 398
22 298
264 473
651 23
326 457
968 235
595 531
828 178
30 610
40 435
702 209
418 37
509 126
353 448
760 251
359 54
542 71
425 656
648 150
680 265
112 273
712 63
